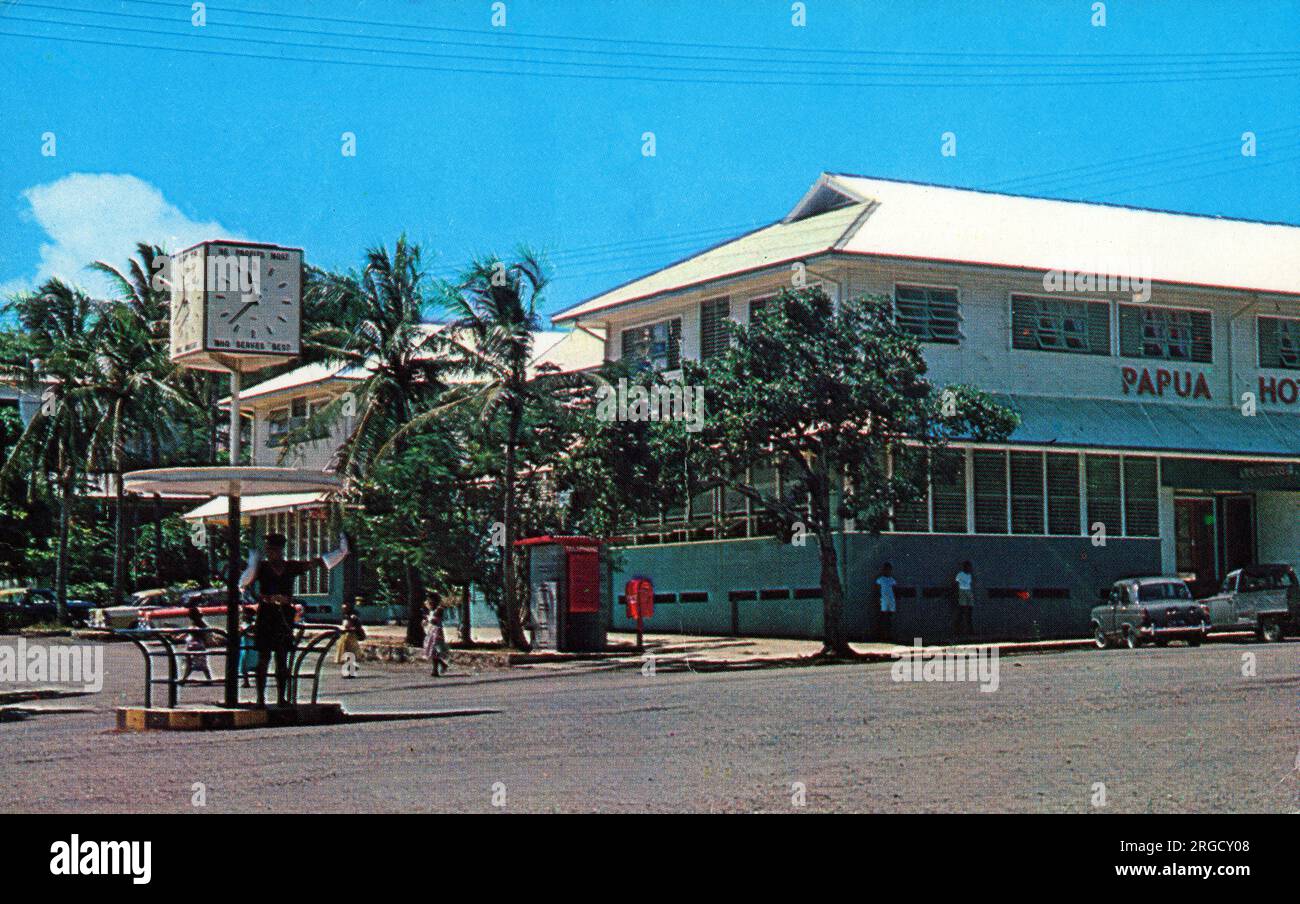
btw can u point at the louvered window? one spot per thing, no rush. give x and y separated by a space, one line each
1279 342
1168 333
1026 492
1140 490
1103 493
929 314
948 484
1058 325
715 327
913 516
1063 493
656 345
990 472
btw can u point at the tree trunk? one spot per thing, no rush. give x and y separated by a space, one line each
119 541
61 562
414 608
466 630
158 540
514 633
834 639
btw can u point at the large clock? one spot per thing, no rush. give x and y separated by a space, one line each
236 305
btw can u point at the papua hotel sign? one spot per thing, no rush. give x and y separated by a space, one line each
1161 382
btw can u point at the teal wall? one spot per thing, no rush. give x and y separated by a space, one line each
924 566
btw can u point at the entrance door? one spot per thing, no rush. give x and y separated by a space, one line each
1238 532
1195 542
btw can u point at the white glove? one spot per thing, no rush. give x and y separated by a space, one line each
332 559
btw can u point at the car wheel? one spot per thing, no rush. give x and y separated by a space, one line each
1270 632
1132 639
1161 642
1099 638
1193 641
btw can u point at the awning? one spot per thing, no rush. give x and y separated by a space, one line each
1110 424
218 508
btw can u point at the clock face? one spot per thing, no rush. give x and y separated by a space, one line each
187 302
253 299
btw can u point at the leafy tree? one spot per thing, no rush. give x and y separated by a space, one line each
836 397
53 359
395 350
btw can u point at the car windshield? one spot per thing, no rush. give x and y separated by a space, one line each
1166 591
1268 580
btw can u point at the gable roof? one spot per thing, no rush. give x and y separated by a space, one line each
913 220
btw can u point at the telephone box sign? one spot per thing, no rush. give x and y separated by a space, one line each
640 596
1161 382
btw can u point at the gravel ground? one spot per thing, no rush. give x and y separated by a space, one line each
1173 730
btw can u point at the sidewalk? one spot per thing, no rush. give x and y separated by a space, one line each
676 651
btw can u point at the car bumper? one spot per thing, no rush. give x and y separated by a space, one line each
1174 631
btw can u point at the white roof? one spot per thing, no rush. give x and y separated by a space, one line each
219 507
569 350
889 218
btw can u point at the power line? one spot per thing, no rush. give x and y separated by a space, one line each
622 42
601 76
1142 64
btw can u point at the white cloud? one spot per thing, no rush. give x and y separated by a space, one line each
101 216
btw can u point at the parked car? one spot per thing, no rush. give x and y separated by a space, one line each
127 614
1149 609
1262 599
24 606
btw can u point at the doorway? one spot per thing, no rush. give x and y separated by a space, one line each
1197 552
1213 536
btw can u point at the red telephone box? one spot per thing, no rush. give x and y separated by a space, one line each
567 595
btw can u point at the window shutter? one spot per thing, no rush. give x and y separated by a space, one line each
1026 492
1103 492
949 486
990 470
674 343
911 516
715 331
1269 355
1202 337
1140 490
1063 493
629 343
1099 328
1023 334
1130 331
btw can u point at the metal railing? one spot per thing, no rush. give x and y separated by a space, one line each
166 645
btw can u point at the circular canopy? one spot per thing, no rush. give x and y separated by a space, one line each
224 481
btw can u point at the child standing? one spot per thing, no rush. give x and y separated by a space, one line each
435 641
196 645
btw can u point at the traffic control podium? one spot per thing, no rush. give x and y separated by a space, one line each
568 593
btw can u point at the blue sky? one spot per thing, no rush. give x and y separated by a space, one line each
223 135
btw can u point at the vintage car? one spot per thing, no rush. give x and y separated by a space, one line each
24 606
127 614
1261 599
1135 611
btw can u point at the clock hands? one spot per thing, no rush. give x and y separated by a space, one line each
242 311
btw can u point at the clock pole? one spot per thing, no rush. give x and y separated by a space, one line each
232 541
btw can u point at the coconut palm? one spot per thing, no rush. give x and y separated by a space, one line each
495 306
54 360
129 388
395 353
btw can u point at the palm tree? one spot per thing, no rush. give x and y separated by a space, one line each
57 320
495 306
130 389
395 351
144 287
